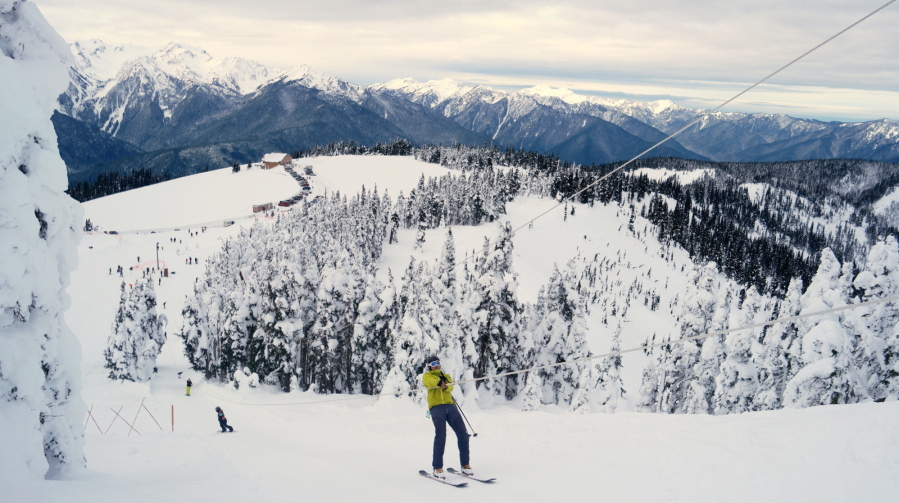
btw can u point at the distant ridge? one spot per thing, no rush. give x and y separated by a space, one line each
181 110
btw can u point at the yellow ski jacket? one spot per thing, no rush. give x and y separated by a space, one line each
437 396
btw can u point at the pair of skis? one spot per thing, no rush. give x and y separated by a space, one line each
426 474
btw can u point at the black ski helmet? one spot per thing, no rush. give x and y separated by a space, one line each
218 409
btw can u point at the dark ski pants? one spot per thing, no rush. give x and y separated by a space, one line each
224 425
442 414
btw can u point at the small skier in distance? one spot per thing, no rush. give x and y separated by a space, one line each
443 410
223 422
189 384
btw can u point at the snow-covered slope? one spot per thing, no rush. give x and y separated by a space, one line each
308 443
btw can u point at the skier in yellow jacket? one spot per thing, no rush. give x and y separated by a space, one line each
443 410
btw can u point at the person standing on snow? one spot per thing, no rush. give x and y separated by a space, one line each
443 410
223 422
189 384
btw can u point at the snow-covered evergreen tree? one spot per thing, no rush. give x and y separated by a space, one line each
415 339
338 298
465 357
408 361
561 337
200 341
737 382
876 357
532 394
41 410
608 388
684 393
497 315
271 347
371 339
652 378
827 376
702 395
137 335
777 363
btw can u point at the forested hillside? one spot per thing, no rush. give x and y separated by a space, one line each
299 304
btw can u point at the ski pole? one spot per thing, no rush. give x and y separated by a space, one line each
463 417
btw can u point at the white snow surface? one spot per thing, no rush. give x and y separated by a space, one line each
884 204
346 448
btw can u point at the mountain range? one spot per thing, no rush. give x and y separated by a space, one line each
178 109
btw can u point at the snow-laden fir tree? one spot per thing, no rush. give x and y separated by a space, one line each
876 357
827 376
453 338
137 335
561 337
532 390
605 388
688 392
652 378
412 343
200 341
338 297
371 339
463 352
496 315
271 347
40 382
777 363
737 381
713 354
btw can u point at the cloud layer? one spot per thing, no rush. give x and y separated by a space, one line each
696 52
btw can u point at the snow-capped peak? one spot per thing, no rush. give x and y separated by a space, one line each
316 79
660 106
182 60
96 59
432 92
243 75
397 84
108 64
563 93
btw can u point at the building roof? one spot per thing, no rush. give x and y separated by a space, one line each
275 157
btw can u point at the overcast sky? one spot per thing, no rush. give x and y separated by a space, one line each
697 53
